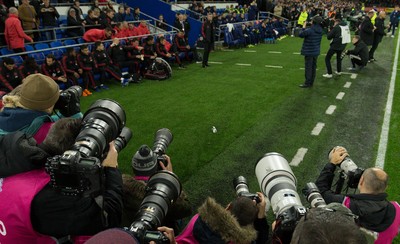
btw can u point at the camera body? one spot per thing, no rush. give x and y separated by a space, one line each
68 102
242 189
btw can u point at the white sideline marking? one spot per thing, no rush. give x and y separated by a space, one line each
330 109
215 62
243 64
340 96
317 129
296 53
347 85
347 73
274 52
353 76
298 158
274 66
228 50
383 140
305 68
250 51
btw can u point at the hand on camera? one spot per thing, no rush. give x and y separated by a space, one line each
337 155
168 232
261 206
169 165
112 157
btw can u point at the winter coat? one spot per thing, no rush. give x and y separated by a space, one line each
27 14
14 33
335 35
367 31
93 35
312 40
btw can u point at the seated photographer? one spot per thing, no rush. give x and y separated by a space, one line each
134 191
28 109
375 212
17 152
58 215
242 221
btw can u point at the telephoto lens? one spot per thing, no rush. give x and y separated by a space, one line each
313 196
242 189
122 140
162 139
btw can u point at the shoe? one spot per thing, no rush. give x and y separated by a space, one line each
371 60
305 86
88 92
338 73
181 67
392 36
351 69
327 75
104 87
97 89
84 94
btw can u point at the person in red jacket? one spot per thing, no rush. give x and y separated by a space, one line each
93 35
14 34
142 29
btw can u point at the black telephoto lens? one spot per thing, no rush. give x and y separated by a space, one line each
122 140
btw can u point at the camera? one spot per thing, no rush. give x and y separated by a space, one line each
313 196
343 54
242 189
68 102
162 190
78 170
278 183
145 161
349 170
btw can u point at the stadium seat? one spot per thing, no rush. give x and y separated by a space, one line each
6 51
62 20
69 42
41 46
59 52
18 60
80 40
38 56
29 48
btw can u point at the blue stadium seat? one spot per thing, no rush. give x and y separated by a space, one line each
41 46
62 20
18 60
29 48
59 52
80 40
5 51
69 42
39 57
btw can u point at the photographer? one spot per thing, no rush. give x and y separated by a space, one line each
359 55
374 211
77 215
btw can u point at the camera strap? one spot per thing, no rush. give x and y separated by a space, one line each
104 215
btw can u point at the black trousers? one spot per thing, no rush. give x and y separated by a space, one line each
207 50
328 58
375 44
356 60
310 69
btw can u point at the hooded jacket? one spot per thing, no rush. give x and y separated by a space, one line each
312 40
335 35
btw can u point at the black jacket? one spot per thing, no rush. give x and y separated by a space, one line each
207 31
374 211
361 50
379 32
335 35
367 31
118 53
48 15
57 215
9 78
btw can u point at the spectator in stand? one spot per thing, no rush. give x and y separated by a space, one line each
302 17
28 17
120 16
108 20
10 76
278 9
181 45
3 17
29 67
161 23
367 29
119 56
394 19
72 69
97 35
359 55
379 33
131 30
91 19
48 15
105 65
164 54
187 26
207 31
95 5
179 22
78 10
53 69
136 14
14 33
73 21
87 64
128 14
142 28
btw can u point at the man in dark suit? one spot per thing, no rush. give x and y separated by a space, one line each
207 31
379 33
367 29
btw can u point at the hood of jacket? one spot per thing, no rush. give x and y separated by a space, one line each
374 211
13 119
223 225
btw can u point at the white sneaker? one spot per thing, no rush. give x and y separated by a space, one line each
338 73
327 75
392 36
351 69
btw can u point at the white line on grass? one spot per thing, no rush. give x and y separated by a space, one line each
274 66
330 109
347 85
383 141
243 64
298 158
215 62
317 129
250 51
353 76
340 96
227 50
347 73
274 52
296 53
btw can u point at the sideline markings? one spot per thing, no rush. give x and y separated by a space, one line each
330 109
305 68
347 85
298 158
215 62
317 129
340 96
347 73
228 50
383 140
353 76
243 64
274 66
250 51
296 53
274 52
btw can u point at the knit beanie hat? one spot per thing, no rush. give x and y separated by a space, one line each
39 92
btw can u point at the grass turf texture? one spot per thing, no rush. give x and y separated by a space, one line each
258 110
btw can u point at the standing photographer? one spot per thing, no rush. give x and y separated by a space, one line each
374 211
